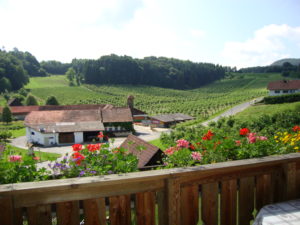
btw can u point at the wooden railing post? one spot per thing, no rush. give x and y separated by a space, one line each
290 178
173 196
6 211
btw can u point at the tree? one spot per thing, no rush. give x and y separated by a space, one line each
6 115
51 100
31 100
71 75
4 84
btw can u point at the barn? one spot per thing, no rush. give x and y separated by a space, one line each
61 127
167 120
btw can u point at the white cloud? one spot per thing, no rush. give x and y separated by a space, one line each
269 44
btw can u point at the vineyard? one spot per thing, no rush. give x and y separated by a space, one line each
201 102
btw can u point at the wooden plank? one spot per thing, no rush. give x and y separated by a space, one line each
290 178
264 191
228 202
6 211
189 202
67 213
18 216
246 200
298 183
173 196
120 210
278 185
145 208
94 211
162 204
210 203
39 215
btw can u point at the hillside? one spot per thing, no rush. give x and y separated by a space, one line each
201 102
293 61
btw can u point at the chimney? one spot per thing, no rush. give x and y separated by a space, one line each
130 101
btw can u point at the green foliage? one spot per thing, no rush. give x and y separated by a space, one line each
5 85
31 100
160 72
51 100
282 99
55 67
6 115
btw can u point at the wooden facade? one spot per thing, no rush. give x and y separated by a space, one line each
224 193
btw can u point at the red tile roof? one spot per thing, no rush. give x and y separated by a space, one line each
284 85
116 114
132 144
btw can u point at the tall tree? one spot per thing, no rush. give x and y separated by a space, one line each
6 115
31 100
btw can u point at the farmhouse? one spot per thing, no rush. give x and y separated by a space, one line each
283 87
149 156
167 120
137 115
58 127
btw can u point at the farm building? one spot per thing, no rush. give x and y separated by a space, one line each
149 156
283 87
20 112
137 115
58 127
167 120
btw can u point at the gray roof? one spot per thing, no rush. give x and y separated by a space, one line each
175 117
68 127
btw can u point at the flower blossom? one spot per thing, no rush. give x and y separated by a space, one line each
171 150
15 158
182 143
100 135
77 147
196 156
244 131
296 128
93 147
208 135
192 147
262 138
252 137
36 158
78 158
238 142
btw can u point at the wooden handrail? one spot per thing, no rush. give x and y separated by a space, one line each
172 186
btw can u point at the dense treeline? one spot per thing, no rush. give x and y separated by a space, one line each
285 67
13 76
162 72
55 67
30 63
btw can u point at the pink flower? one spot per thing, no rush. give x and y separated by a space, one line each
170 151
183 143
238 142
15 158
252 138
36 158
196 156
263 138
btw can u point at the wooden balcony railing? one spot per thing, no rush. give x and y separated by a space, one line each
221 193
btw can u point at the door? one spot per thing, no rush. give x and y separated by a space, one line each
65 138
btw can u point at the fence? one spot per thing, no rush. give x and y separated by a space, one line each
221 193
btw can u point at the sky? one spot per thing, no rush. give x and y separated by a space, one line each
239 33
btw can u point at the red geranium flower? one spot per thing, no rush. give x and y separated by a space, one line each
192 147
78 158
296 128
208 135
244 131
94 147
100 135
77 147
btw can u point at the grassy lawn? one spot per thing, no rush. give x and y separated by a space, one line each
16 128
256 111
158 143
44 156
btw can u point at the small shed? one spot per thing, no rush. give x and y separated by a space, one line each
167 120
149 156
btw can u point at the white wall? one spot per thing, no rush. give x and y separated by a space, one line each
78 137
34 136
272 92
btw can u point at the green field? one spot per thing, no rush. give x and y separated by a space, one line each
201 102
256 111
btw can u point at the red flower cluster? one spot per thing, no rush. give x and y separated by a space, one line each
100 135
77 147
244 131
192 147
208 135
78 158
93 147
296 128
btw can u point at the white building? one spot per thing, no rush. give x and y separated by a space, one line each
283 87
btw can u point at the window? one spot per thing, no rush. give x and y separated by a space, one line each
32 133
277 91
292 91
285 91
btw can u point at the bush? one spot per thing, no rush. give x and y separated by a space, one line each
282 99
